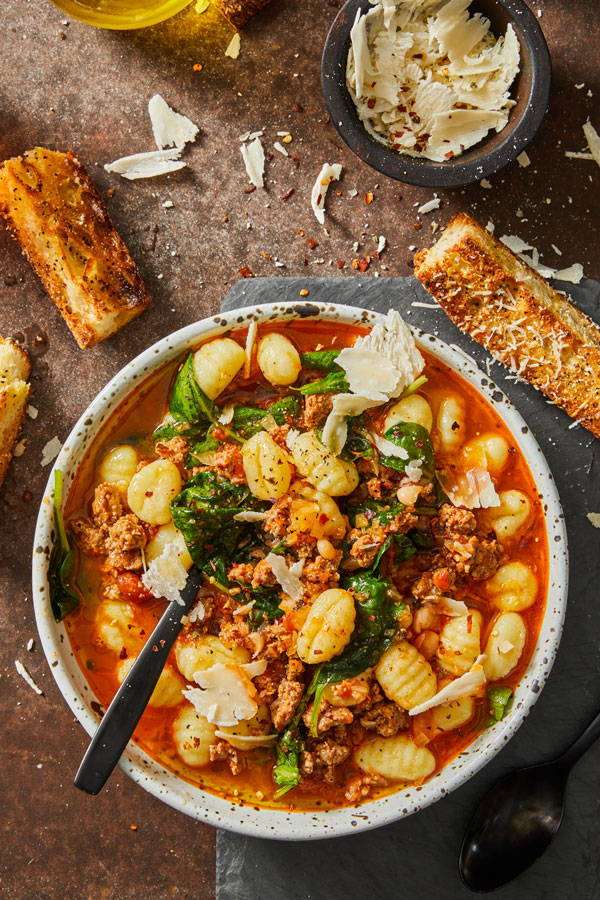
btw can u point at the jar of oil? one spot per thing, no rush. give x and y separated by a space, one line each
121 14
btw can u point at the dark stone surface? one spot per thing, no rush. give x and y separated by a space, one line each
417 857
71 86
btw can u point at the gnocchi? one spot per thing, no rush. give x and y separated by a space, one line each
278 359
328 626
405 676
116 627
397 758
315 512
413 408
266 467
193 735
168 687
513 588
118 465
325 471
451 422
151 490
459 644
488 451
168 534
454 714
205 651
216 364
512 514
504 646
349 692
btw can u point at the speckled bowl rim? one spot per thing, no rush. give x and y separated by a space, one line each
280 824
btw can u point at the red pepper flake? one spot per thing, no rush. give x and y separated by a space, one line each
297 108
123 653
245 272
340 263
369 198
197 67
361 264
250 190
469 624
133 827
326 119
225 219
26 496
449 154
300 233
304 292
398 196
111 192
417 226
311 243
375 255
338 193
266 255
371 102
288 194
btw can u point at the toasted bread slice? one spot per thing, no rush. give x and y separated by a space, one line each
14 391
53 209
503 304
239 12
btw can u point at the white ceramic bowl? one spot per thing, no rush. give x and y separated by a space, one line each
280 824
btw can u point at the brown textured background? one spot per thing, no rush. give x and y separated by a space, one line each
72 87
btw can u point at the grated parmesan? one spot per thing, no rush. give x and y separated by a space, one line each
427 79
429 206
593 140
27 678
327 174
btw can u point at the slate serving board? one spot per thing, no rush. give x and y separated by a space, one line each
417 857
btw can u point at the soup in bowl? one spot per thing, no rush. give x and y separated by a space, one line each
377 574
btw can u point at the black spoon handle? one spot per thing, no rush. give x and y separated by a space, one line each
128 704
585 740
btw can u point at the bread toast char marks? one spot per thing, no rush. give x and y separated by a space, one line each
53 209
498 300
14 391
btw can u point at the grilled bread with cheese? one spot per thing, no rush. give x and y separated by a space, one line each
508 308
14 391
53 209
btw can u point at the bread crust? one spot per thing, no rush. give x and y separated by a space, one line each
498 300
15 369
55 212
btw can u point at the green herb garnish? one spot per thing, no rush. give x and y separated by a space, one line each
62 597
500 702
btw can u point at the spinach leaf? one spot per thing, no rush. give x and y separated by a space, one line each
500 701
177 429
188 402
204 512
373 509
321 359
374 631
334 382
62 597
415 440
208 445
266 605
358 444
247 420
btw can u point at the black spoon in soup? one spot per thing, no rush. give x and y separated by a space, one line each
128 704
517 819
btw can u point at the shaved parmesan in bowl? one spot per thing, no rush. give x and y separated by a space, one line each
428 79
226 695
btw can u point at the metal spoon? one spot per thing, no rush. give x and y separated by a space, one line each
130 701
517 819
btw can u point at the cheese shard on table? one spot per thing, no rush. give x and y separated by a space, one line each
147 165
327 174
166 576
593 139
170 129
225 694
254 161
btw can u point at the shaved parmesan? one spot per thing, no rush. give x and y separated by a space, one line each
51 450
505 647
429 206
594 519
147 165
166 576
250 516
468 684
427 78
414 470
393 340
335 430
387 448
287 577
368 373
327 174
250 341
226 416
593 139
170 129
523 160
245 741
27 678
451 607
573 274
515 243
225 694
254 161
474 489
234 45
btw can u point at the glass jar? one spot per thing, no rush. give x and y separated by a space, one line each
121 14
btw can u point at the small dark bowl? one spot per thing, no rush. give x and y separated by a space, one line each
531 90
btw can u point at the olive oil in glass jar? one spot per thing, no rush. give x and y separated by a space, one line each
121 14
